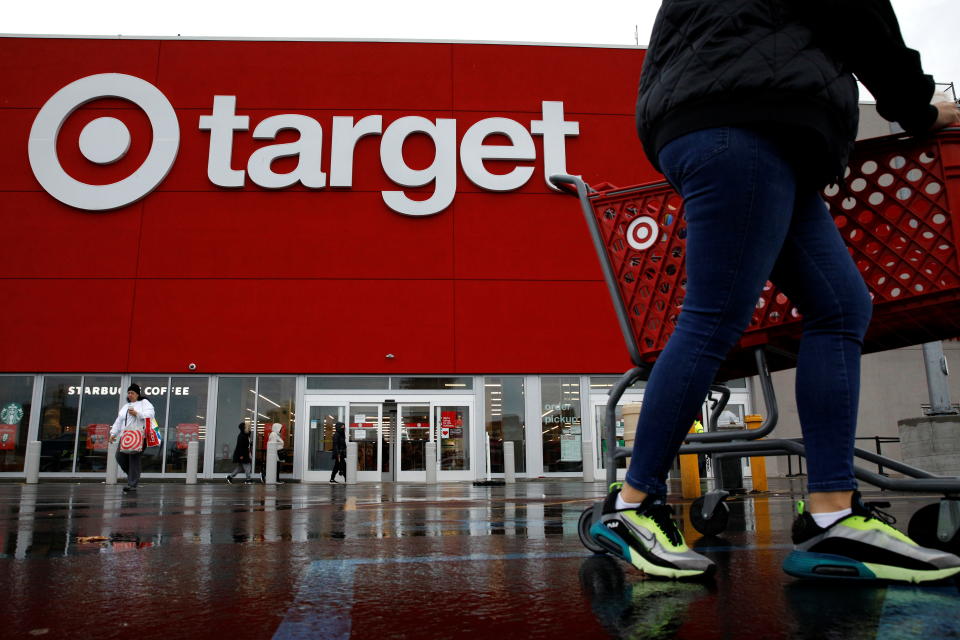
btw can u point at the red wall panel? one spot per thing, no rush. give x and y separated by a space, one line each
290 235
554 327
588 80
45 238
33 69
292 326
538 237
307 75
65 325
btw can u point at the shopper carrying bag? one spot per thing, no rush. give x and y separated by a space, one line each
130 427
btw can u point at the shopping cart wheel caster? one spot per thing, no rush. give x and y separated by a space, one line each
926 524
583 527
714 521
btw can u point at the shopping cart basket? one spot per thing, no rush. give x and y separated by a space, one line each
899 213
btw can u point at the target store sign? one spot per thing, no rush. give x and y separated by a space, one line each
106 140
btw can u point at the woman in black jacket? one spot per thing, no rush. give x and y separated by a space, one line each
749 108
339 453
241 454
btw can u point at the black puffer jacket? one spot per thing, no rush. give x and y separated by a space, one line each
785 65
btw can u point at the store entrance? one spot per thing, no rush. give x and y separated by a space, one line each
392 436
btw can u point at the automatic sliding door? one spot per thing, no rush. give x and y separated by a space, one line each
414 434
365 422
322 419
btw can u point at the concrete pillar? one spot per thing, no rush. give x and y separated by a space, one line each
31 466
112 462
589 463
431 454
193 456
931 443
271 462
351 463
509 463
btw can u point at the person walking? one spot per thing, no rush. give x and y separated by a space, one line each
133 417
339 453
276 438
242 457
749 108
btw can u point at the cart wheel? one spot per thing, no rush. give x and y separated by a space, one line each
583 529
923 530
715 524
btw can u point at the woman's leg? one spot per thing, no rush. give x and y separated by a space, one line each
739 193
816 272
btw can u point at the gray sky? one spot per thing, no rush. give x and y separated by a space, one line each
930 26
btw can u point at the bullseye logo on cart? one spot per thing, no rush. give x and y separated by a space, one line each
106 140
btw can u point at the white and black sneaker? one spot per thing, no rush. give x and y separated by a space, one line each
863 546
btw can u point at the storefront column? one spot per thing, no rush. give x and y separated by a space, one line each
36 411
209 447
534 426
302 427
479 427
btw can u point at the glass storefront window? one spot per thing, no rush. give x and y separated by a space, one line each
603 384
58 422
16 397
322 431
276 404
348 382
431 382
236 403
561 424
453 435
186 420
100 404
504 410
414 435
362 428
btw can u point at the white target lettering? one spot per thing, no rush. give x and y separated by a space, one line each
642 233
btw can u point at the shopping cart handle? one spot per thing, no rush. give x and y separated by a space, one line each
572 185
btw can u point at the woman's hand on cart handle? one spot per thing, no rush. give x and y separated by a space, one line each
948 115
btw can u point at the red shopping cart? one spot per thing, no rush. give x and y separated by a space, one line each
899 213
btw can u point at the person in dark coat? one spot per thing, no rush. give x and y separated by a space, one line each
241 454
339 453
749 108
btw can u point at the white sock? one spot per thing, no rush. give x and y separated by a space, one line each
824 520
623 504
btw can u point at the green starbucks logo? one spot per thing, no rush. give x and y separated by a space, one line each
11 413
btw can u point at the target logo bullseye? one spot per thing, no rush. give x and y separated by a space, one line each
643 233
131 440
103 141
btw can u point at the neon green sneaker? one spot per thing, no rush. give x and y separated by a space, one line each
648 538
863 546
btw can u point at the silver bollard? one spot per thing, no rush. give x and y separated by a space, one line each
509 474
271 474
351 463
431 453
193 456
589 462
31 467
112 462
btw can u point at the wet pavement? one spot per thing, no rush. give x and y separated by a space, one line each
409 561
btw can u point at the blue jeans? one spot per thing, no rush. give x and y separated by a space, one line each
748 220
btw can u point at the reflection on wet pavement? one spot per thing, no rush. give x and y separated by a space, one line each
410 561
